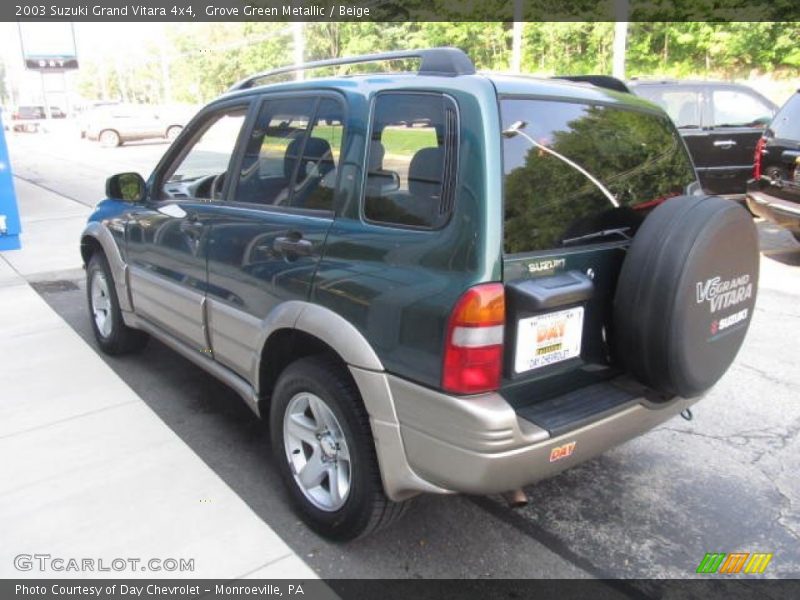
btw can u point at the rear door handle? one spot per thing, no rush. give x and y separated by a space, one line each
725 144
293 246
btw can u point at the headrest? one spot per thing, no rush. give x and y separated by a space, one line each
425 172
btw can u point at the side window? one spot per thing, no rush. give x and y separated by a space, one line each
292 154
682 105
411 160
201 170
734 108
315 180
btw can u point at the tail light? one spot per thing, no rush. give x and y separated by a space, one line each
473 353
762 143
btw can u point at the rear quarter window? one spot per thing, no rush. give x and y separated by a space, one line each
786 124
638 156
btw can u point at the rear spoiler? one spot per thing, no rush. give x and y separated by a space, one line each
603 81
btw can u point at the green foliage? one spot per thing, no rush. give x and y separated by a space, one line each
201 60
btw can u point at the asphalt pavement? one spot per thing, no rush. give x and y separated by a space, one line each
726 481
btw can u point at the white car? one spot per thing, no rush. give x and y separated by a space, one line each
116 124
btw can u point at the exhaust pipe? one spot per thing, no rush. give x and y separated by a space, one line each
516 498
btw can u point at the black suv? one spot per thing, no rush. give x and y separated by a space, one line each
774 191
428 282
720 123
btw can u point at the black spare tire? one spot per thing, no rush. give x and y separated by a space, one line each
686 293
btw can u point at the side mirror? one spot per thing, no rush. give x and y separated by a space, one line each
129 187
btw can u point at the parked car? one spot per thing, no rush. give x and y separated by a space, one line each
84 112
56 112
720 122
115 124
526 277
27 118
774 191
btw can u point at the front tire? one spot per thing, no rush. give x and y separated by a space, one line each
112 335
323 446
109 138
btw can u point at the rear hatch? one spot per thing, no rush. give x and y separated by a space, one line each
579 179
780 154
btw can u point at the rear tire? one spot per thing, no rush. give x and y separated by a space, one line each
318 422
112 335
796 235
173 132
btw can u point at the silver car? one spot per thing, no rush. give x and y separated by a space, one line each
116 124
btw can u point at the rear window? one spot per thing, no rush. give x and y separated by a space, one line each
786 124
639 157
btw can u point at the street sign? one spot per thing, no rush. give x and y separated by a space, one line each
48 46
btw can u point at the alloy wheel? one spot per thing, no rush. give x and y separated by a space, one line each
317 451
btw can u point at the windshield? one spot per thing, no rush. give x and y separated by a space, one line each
637 156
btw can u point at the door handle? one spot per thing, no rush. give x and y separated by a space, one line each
725 144
295 246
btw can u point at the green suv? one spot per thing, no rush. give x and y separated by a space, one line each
433 281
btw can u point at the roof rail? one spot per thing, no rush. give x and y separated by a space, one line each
603 81
433 61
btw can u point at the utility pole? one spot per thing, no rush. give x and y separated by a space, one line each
621 13
516 39
299 43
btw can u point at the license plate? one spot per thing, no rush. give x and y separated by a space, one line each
549 338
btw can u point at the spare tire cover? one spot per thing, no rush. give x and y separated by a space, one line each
686 293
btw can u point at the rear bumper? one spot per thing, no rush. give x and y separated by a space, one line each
776 210
480 445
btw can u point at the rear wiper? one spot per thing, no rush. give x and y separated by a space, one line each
620 231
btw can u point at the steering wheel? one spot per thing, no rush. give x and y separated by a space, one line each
215 192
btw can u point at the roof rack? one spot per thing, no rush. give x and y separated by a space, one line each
603 81
433 61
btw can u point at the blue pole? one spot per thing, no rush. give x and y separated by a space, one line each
9 213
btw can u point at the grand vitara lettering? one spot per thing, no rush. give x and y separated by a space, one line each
724 293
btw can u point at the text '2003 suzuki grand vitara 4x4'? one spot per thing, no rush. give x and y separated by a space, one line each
428 282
